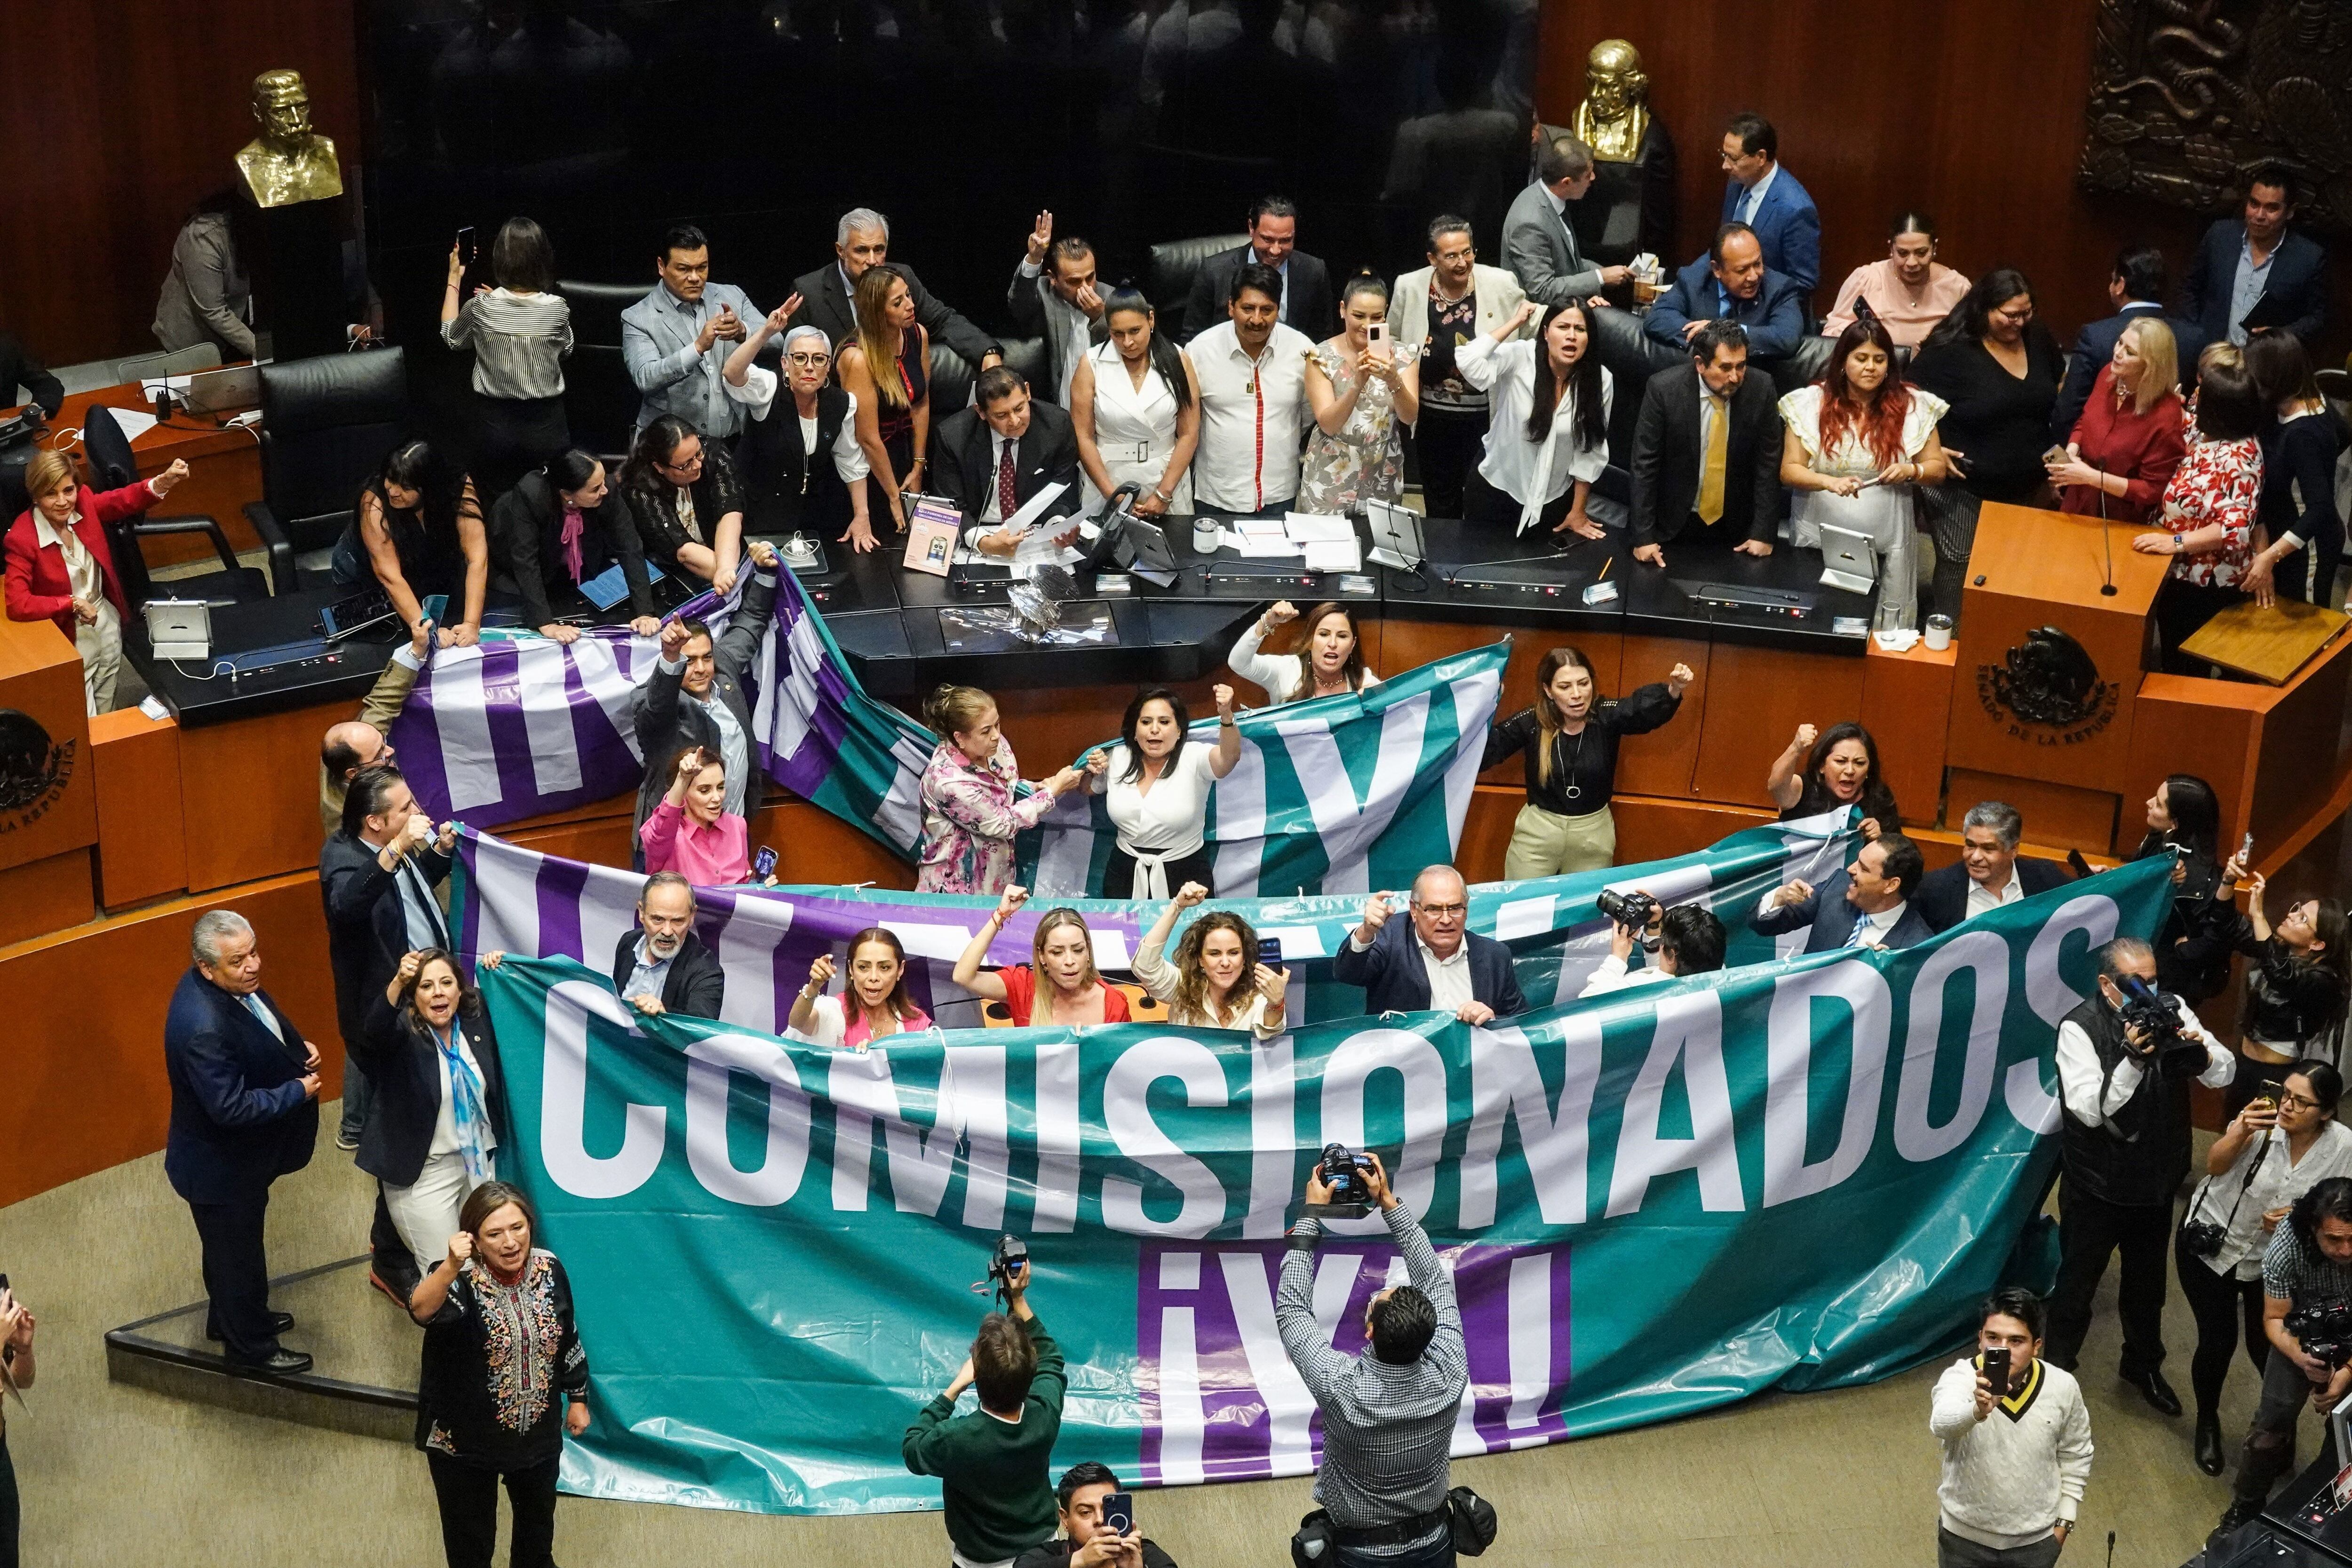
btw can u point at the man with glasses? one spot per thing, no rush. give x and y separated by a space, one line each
788 486
670 338
1432 961
1732 283
1760 193
1443 307
662 966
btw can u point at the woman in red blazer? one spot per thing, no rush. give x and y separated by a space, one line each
61 570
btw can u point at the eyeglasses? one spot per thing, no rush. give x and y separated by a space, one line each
682 466
811 360
2290 1100
1443 912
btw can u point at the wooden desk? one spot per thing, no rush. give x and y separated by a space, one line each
225 469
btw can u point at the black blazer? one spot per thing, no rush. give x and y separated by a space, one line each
2095 345
2297 283
404 1070
240 1117
696 984
666 723
1666 458
366 931
1394 981
1831 934
826 305
1312 310
964 472
1942 899
19 369
527 538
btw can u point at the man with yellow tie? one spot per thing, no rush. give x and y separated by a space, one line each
1707 453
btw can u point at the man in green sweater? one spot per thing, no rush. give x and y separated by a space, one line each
993 1465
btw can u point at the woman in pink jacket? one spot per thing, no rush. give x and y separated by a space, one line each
691 832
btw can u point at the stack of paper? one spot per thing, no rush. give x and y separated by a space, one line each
1262 539
1314 527
1334 554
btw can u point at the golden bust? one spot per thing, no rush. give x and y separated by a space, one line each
289 163
1615 113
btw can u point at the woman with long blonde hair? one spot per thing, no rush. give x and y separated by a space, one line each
2127 444
1568 737
886 366
1058 985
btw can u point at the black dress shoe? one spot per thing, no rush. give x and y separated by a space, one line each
2209 1444
2238 1513
2154 1389
280 1362
278 1323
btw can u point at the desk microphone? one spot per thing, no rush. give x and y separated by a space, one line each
2106 591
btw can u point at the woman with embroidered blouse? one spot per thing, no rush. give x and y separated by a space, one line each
2206 522
505 1380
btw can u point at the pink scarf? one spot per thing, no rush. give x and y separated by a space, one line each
573 527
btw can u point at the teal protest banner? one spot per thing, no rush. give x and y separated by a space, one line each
1798 1174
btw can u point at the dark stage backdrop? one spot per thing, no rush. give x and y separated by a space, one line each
1132 122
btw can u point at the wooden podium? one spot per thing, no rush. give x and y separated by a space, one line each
2049 671
48 799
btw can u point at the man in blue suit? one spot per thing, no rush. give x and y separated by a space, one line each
2257 259
1431 961
244 1111
1868 904
2135 287
1768 199
1731 284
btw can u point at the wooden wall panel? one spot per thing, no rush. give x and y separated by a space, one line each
41 679
1650 829
143 849
2208 728
1756 700
143 111
48 895
1665 761
2058 816
1972 110
249 795
1906 701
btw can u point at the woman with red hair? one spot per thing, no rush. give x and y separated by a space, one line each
1859 443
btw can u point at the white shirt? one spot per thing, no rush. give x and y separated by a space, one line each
1531 473
758 394
1077 335
1873 928
989 512
2276 1184
2078 1071
1172 820
1981 901
1613 975
445 1123
1279 673
1254 419
1449 978
1754 199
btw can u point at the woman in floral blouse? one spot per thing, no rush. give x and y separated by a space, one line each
2206 523
504 1379
1360 393
969 815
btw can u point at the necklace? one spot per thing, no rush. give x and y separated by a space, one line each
1572 790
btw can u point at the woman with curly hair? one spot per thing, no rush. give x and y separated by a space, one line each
1214 981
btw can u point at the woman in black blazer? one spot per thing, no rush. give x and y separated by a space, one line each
528 537
440 1098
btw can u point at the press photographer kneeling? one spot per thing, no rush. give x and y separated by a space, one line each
2307 1314
2126 1057
1686 940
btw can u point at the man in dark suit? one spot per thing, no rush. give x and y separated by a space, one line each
1539 233
2135 289
994 458
1764 197
1053 296
1306 304
2257 260
1707 452
1731 284
694 698
1431 961
1868 904
376 877
20 372
861 240
244 1111
662 966
1988 873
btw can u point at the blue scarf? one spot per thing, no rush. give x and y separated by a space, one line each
465 1106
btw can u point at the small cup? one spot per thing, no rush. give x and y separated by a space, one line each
1939 632
1205 536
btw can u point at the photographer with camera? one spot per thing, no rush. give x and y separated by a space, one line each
1091 1502
2126 1056
1389 1411
2308 1316
1686 939
2011 1487
991 1464
2281 1144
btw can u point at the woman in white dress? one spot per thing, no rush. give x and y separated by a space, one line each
1136 406
1859 444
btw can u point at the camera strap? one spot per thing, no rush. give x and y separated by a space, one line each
2261 1151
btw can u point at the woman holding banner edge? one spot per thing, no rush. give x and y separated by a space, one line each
1570 741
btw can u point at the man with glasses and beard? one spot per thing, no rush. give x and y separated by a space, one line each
662 966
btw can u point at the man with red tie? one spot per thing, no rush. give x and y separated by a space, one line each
993 458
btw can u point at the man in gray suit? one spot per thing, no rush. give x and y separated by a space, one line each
1053 294
676 339
1540 238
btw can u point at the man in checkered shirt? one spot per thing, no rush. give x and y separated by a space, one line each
1389 1412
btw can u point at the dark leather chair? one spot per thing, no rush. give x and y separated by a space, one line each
113 465
952 374
1175 265
326 423
599 399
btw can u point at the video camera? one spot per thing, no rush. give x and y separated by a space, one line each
2325 1330
1343 1171
2156 1014
1633 911
1011 1256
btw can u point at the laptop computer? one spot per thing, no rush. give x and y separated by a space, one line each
218 391
179 629
1849 560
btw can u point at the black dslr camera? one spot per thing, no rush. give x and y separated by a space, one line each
2325 1330
1011 1256
2156 1014
1630 909
1342 1171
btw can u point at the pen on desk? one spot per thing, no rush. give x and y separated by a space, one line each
1604 567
